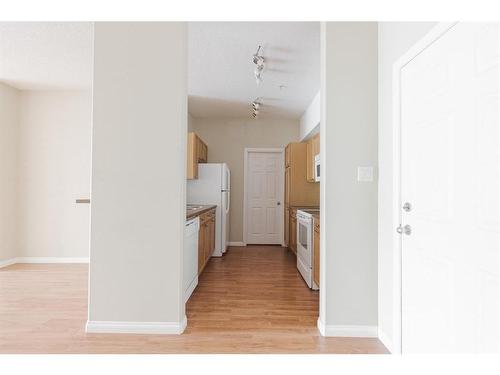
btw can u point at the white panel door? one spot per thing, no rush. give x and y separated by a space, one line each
450 176
264 186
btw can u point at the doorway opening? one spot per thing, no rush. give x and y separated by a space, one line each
253 109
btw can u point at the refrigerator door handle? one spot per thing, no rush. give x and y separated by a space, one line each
228 201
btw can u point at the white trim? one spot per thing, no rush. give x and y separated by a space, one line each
384 338
321 327
434 34
160 328
347 330
7 262
51 260
282 193
40 260
190 289
236 243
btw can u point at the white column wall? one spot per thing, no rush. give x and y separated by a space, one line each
138 177
348 294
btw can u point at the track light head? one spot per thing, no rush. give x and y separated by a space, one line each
259 61
256 104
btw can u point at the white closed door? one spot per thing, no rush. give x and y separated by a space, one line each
264 187
450 180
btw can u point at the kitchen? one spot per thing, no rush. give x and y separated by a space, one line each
230 144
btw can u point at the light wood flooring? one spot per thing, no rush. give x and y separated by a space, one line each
252 300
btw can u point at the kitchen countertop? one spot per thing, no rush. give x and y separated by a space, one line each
199 210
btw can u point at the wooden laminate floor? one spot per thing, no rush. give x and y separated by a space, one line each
250 301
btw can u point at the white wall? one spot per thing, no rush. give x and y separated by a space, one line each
9 108
191 121
309 122
138 177
394 39
53 171
227 139
348 294
44 167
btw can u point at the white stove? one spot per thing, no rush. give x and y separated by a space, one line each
305 245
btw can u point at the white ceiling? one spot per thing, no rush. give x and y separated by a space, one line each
46 55
221 81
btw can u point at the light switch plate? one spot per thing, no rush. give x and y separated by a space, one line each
365 174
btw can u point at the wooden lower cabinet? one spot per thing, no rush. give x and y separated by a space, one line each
316 253
206 239
287 227
293 230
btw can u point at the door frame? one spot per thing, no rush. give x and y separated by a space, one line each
434 34
280 151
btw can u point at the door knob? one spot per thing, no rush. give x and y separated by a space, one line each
407 207
404 229
279 203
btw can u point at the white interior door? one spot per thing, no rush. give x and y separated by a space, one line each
450 176
264 187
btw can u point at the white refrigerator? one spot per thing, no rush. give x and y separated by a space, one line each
213 187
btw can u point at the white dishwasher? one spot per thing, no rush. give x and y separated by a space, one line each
190 256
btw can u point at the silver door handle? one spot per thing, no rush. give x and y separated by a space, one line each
406 229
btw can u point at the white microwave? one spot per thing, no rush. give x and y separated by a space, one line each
317 166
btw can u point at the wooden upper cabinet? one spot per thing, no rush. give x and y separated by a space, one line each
312 151
197 152
315 145
310 160
298 191
287 155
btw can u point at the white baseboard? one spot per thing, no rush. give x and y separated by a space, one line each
385 340
347 330
321 327
158 328
190 289
51 260
7 262
236 243
47 260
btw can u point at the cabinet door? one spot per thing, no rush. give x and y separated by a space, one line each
201 247
287 226
293 234
192 159
310 160
315 145
199 149
202 151
287 187
211 225
316 255
207 241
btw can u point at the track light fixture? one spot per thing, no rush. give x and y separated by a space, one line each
259 62
256 104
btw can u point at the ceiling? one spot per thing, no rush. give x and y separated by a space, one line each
221 81
46 55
